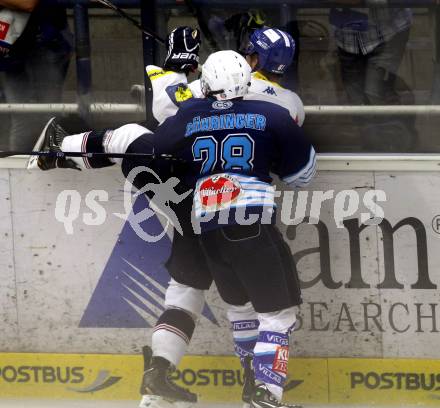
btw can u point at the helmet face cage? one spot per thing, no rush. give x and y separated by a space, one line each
207 91
205 86
275 49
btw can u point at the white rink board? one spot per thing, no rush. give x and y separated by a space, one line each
8 304
56 287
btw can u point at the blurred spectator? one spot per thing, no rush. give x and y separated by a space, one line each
34 67
371 44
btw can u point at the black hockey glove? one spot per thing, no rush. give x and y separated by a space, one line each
183 45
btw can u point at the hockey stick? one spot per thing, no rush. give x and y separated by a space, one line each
136 23
90 155
196 12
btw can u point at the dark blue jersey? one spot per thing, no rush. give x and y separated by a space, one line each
251 138
229 149
232 147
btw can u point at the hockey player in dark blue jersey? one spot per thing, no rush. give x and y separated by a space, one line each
230 147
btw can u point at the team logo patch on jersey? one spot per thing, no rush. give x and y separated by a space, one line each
219 191
222 105
281 359
4 28
269 90
182 94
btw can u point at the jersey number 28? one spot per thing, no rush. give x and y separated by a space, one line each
236 152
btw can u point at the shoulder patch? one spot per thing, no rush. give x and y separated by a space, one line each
183 93
179 93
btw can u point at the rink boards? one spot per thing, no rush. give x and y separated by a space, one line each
219 379
369 291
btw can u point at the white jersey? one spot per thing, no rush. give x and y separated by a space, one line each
171 88
262 89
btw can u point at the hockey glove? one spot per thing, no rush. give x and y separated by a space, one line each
183 45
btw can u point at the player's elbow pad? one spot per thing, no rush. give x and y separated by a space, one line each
303 182
305 175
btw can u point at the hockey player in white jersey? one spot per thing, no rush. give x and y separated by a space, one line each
269 53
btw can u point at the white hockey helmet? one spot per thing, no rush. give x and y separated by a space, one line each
225 75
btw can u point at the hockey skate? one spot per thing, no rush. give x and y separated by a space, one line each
263 398
158 390
248 382
50 141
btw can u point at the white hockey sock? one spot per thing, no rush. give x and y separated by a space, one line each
76 143
172 334
271 353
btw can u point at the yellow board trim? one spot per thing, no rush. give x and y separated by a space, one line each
218 378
